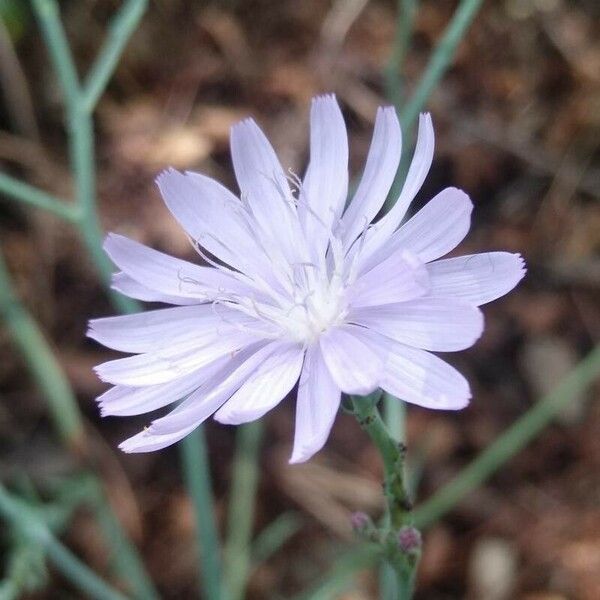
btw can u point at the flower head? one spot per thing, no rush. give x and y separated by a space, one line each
299 288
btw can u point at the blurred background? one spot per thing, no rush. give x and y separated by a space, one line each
517 120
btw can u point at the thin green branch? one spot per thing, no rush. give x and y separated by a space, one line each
54 35
392 454
34 528
436 67
241 509
125 556
514 439
405 18
197 478
121 28
339 578
393 416
41 363
35 197
273 536
439 61
81 139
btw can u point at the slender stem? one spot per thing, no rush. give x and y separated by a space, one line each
440 60
81 148
197 478
393 71
67 563
54 35
121 28
514 439
394 420
35 197
392 454
273 536
241 509
436 67
41 362
126 559
81 141
338 580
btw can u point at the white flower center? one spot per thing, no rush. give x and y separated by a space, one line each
320 309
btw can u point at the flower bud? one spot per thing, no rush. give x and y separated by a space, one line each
409 539
361 523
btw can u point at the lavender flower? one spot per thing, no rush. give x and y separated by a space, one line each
300 288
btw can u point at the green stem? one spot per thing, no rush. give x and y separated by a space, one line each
394 420
197 477
37 198
338 580
241 509
439 61
121 28
514 439
393 72
41 363
67 563
396 575
81 139
126 559
48 16
436 67
392 454
81 148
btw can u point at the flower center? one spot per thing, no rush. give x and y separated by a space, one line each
307 320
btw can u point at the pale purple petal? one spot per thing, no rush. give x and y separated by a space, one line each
437 324
171 362
121 282
151 330
168 275
325 185
217 390
419 167
399 278
433 232
422 378
355 365
146 441
316 407
477 278
265 389
265 187
213 217
380 170
124 400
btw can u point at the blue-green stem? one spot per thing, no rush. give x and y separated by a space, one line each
509 443
120 30
35 197
393 417
41 362
406 11
34 529
273 536
398 575
197 478
80 136
25 332
439 62
126 560
240 518
80 104
512 441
